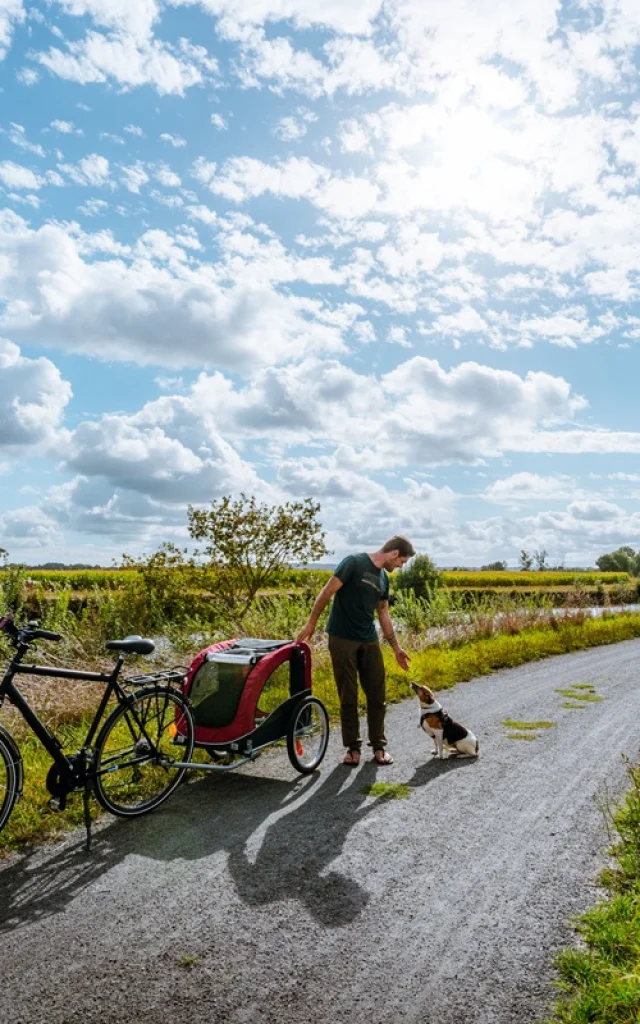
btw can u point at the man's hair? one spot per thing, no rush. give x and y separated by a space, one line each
400 544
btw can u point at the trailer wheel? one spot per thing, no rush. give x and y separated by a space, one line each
307 735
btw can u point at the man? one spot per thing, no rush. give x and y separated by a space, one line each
360 587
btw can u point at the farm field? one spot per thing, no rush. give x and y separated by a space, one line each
115 579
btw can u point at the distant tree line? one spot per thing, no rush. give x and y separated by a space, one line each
526 563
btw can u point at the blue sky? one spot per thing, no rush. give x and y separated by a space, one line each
376 252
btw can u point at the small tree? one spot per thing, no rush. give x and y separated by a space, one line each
540 559
248 544
420 575
623 559
526 561
494 567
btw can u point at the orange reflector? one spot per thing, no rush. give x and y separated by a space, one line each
173 730
299 748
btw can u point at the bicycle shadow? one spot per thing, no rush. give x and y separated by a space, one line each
313 816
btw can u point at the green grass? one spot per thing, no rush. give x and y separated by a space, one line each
574 707
388 790
600 982
522 735
512 723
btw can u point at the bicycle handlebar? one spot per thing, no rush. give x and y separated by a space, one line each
27 633
42 634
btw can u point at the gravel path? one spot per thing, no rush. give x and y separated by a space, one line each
263 897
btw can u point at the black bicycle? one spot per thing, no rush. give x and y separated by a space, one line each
137 759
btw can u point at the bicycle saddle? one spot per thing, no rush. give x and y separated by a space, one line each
132 645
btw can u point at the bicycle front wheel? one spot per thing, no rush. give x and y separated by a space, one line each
138 750
10 775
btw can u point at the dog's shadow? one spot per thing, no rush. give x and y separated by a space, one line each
434 768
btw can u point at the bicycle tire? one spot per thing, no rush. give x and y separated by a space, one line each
129 778
11 775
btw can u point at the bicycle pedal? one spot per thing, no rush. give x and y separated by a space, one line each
57 803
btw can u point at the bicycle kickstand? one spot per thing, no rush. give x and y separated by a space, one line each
86 800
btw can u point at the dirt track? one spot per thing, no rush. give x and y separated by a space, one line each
305 901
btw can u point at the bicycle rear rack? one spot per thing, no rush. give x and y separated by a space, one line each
169 675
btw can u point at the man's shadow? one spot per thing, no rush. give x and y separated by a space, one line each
298 848
223 813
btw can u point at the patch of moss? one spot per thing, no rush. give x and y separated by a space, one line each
576 693
512 723
188 960
388 790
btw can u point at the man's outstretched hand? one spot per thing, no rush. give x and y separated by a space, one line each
402 658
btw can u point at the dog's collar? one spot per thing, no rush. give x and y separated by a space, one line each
434 709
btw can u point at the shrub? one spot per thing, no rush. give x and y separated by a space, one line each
420 575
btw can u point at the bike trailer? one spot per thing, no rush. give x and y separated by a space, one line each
228 681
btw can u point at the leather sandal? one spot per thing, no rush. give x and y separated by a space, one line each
352 758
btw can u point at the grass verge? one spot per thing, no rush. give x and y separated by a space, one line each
441 667
601 981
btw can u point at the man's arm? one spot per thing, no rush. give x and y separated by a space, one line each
320 603
389 634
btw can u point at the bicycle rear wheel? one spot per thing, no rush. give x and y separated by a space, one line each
136 751
10 775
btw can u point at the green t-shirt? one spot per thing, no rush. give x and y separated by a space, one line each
352 612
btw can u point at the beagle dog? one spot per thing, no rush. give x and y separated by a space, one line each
443 730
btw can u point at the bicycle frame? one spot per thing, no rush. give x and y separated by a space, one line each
49 741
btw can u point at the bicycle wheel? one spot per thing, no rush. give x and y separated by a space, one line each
10 776
307 735
136 751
